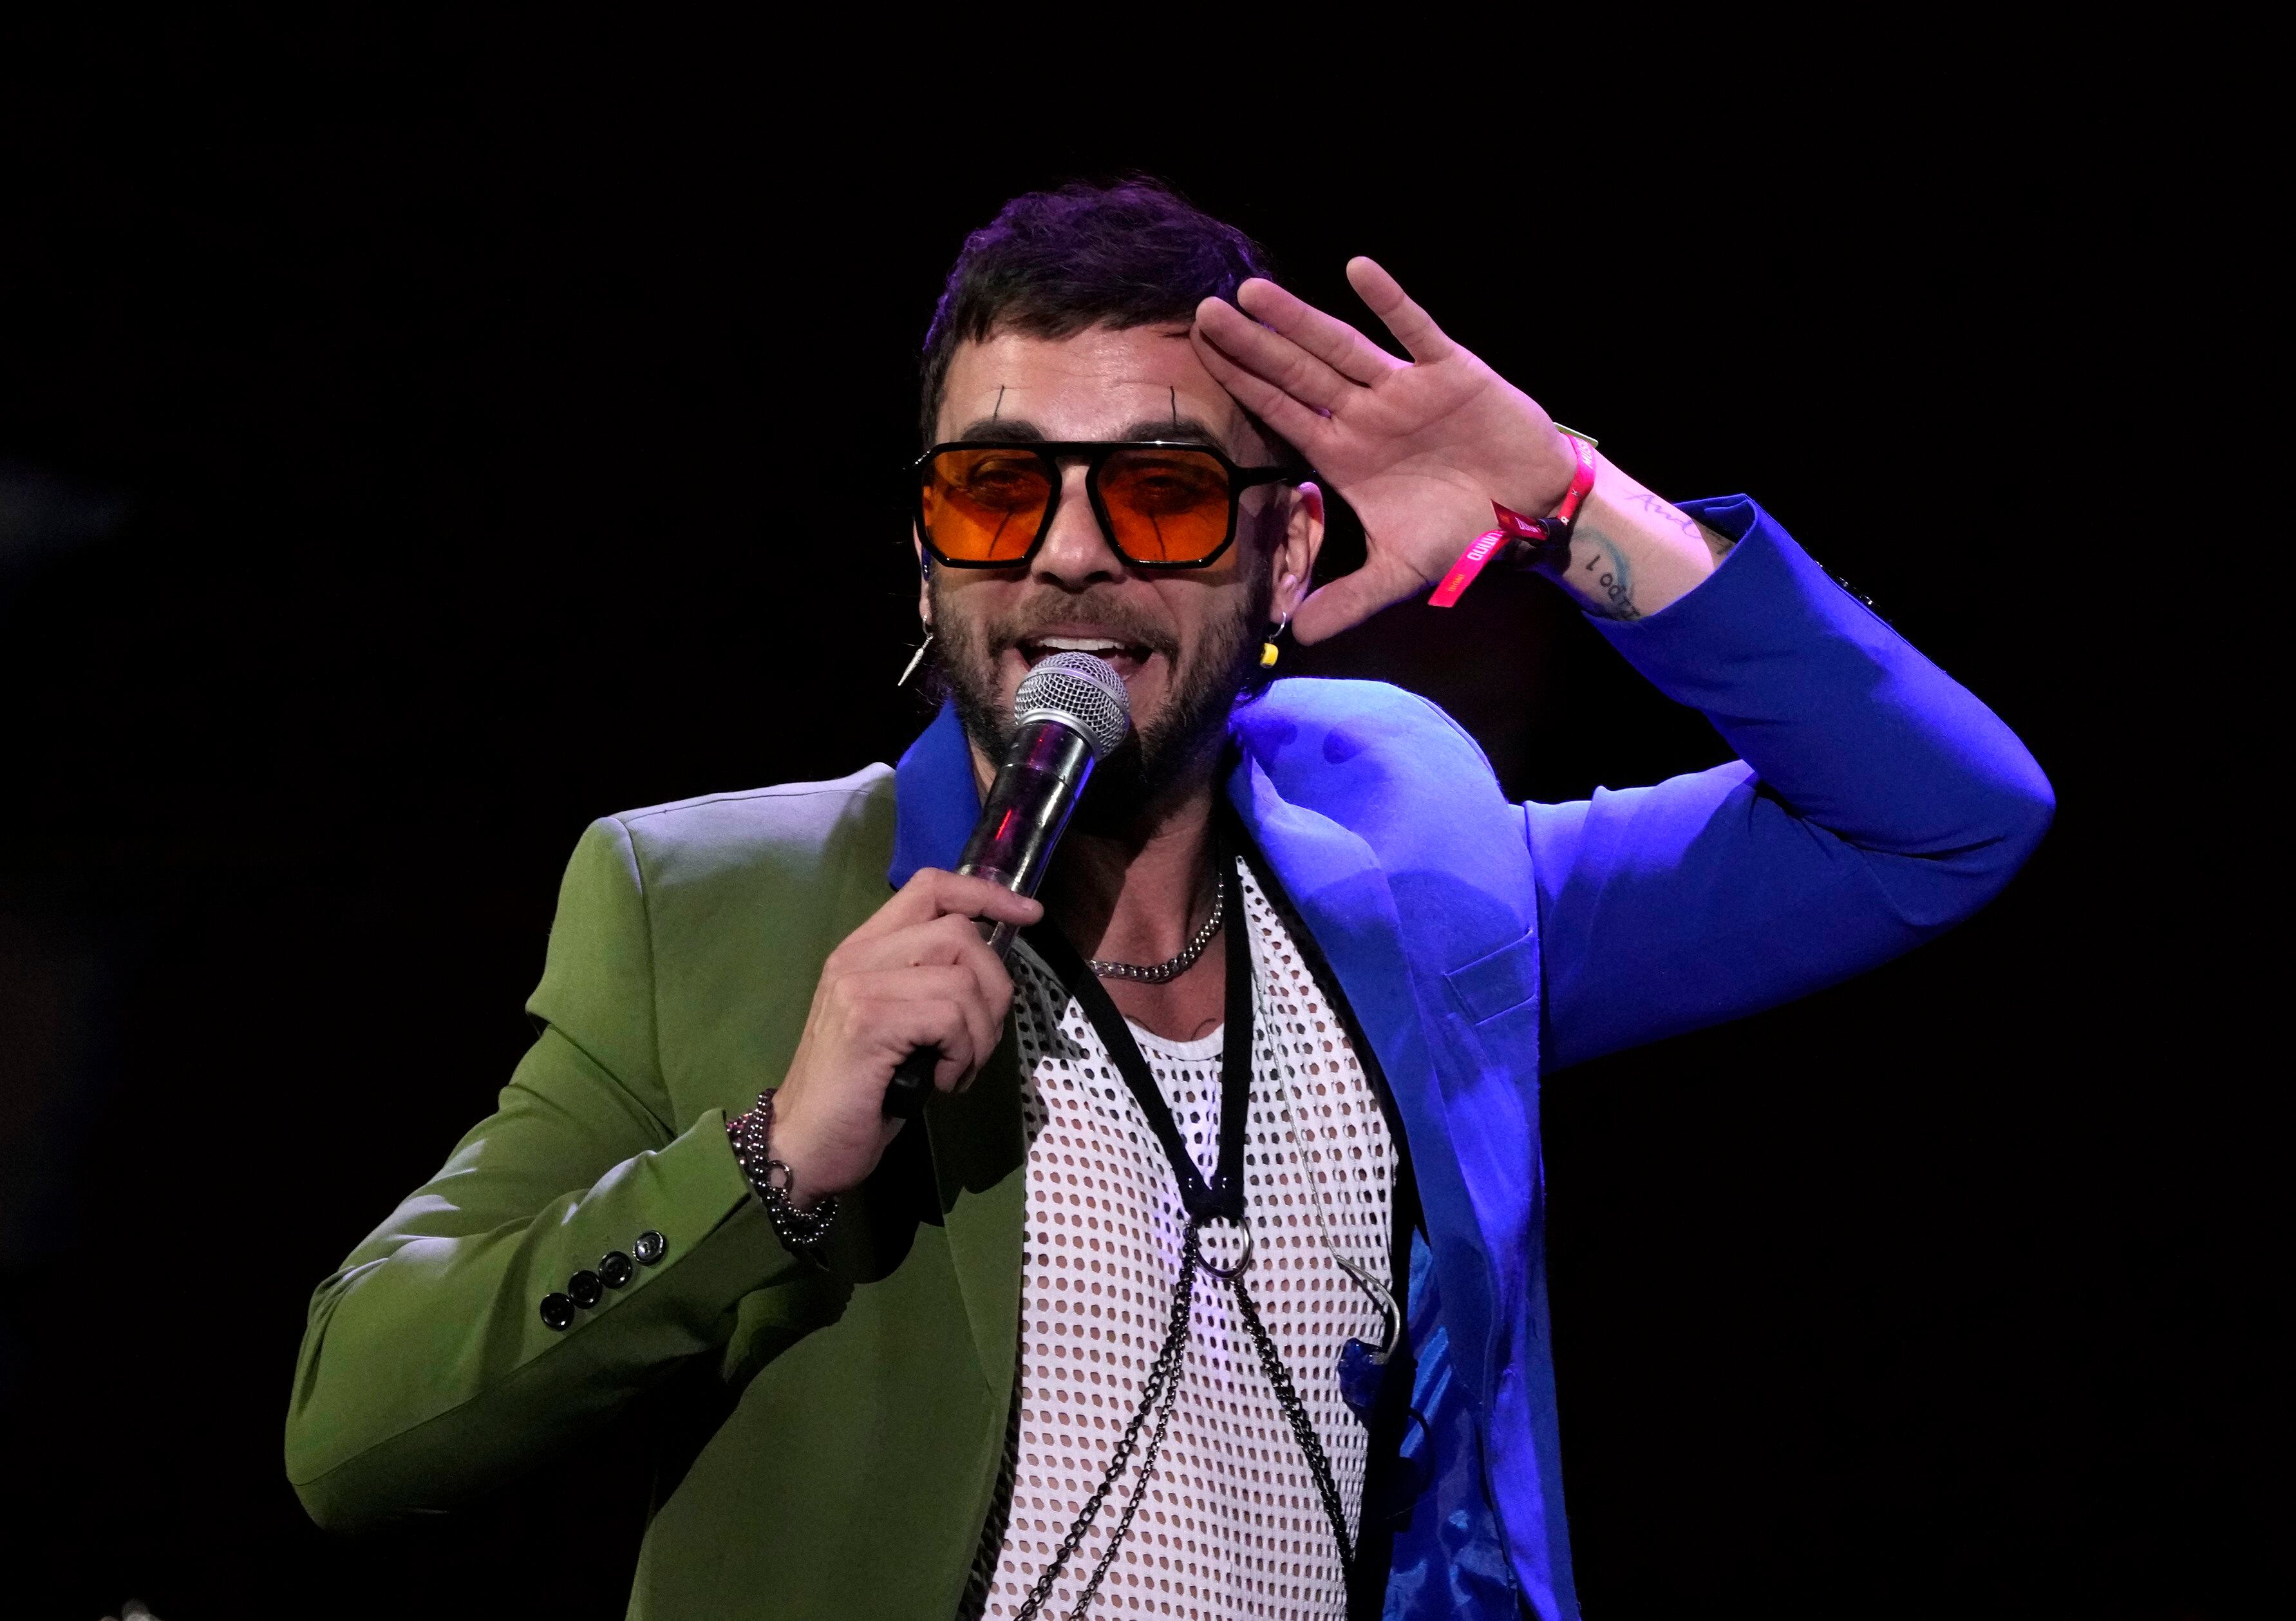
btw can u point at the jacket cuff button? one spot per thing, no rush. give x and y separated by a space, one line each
585 1288
614 1269
650 1247
557 1310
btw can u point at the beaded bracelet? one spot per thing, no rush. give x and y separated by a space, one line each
773 1181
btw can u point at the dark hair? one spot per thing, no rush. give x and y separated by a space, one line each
1053 263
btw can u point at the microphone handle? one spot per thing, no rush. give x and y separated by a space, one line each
1011 845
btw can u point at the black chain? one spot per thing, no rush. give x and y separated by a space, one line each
1302 1428
1162 1385
1157 1394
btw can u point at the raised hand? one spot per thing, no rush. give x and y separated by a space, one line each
1421 449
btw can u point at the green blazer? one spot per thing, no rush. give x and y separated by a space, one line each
687 943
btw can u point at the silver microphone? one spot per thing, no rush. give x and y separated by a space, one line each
1071 713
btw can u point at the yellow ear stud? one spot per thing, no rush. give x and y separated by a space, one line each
1268 656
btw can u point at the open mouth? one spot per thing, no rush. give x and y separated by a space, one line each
1124 657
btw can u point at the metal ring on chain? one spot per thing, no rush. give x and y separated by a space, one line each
1172 967
1213 1267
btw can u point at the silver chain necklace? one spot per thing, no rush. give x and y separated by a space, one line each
1172 967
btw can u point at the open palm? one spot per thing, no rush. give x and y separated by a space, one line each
1421 449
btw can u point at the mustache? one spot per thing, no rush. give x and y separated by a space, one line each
1106 619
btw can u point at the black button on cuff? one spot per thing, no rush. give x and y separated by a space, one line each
585 1288
650 1247
614 1269
557 1310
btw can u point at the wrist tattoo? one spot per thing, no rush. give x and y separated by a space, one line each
1606 581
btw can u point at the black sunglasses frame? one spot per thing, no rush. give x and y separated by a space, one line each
1095 453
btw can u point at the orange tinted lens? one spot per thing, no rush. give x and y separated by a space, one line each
1165 506
985 506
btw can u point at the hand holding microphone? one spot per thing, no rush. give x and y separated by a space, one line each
917 975
916 997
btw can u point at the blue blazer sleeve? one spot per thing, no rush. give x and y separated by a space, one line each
1875 803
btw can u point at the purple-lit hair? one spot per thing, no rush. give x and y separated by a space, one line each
1053 263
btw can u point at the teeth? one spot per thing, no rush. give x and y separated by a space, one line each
1076 644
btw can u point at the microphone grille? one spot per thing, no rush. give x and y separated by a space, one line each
1084 692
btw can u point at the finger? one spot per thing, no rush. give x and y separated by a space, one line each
1272 356
891 1015
1413 327
1329 339
976 998
956 896
952 944
955 1044
972 975
933 894
951 985
1352 598
992 983
941 942
1287 417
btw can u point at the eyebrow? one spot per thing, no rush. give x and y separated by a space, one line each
1185 430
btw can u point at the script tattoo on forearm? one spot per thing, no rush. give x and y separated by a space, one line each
1717 545
1666 512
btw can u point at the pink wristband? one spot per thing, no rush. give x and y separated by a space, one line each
1513 526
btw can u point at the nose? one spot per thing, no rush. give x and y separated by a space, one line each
1075 554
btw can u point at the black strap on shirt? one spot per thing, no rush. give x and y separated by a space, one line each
1223 1199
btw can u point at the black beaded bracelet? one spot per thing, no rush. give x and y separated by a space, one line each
772 1182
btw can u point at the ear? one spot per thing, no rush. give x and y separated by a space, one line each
924 577
1292 559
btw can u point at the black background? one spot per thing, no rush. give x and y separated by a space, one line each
413 444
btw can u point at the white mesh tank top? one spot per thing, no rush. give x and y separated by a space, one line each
1231 1525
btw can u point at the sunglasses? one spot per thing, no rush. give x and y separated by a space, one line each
987 504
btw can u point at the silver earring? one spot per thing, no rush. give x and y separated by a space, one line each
916 658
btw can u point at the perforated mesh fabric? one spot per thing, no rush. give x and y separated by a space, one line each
1231 1525
1082 690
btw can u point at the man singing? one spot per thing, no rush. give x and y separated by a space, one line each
1208 1281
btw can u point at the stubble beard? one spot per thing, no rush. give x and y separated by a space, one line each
1159 764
